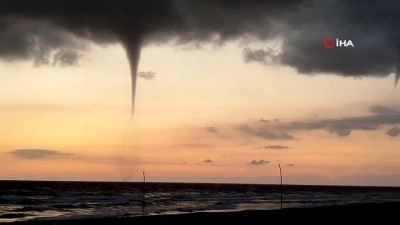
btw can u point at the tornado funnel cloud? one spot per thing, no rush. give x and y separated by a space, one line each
133 48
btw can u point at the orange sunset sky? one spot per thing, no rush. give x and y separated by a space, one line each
205 116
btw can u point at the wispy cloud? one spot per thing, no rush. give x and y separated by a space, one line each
264 132
260 162
274 147
342 127
195 145
37 153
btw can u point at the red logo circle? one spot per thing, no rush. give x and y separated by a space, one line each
329 42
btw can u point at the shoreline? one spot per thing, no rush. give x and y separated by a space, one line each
388 211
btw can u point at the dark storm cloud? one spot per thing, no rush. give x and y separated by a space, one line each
42 41
212 130
49 30
38 29
393 132
342 127
37 153
369 24
274 147
149 75
259 162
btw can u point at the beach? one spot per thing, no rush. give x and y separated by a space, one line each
372 212
122 202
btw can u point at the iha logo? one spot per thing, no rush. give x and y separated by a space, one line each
331 42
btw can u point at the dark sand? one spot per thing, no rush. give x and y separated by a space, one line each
375 213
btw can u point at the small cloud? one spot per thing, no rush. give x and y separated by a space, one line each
259 162
264 121
393 132
263 56
213 130
340 132
290 165
66 58
149 75
37 153
274 147
207 161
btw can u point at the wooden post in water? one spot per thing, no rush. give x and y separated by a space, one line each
144 193
280 172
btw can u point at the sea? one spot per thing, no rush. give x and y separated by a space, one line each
39 200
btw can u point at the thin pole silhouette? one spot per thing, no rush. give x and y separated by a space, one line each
144 192
280 172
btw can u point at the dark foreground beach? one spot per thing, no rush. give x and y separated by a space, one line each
377 213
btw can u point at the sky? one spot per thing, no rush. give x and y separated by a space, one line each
221 100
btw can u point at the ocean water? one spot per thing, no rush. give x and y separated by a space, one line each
26 200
